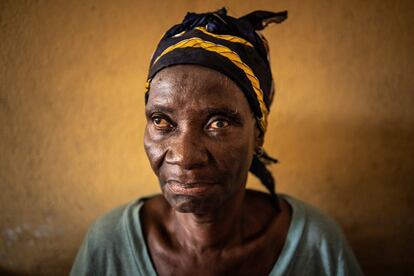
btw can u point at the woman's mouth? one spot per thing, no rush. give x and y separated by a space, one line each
192 188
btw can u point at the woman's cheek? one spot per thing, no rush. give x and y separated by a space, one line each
155 152
239 157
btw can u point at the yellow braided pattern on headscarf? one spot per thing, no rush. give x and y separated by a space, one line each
231 38
196 42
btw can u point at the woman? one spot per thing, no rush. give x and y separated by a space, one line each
208 94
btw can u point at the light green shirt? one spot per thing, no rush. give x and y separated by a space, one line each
315 245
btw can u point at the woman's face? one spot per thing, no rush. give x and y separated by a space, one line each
200 137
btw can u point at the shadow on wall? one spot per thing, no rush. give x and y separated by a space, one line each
63 269
6 272
60 265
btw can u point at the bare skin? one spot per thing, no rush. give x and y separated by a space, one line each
200 139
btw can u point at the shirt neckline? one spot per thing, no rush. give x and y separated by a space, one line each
281 266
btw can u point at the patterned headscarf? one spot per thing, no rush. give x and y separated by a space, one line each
235 48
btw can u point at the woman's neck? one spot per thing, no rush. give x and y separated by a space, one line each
217 230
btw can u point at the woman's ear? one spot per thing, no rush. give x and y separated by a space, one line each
259 137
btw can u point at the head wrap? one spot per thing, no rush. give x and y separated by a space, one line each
235 48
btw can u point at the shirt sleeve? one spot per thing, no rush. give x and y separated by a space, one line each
84 261
329 251
101 252
347 263
316 246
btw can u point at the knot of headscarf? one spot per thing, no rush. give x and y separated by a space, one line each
235 48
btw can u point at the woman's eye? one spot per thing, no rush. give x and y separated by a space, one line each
218 124
161 122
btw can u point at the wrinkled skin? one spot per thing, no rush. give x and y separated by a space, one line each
200 139
191 144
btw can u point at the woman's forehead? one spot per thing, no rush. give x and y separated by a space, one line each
186 84
193 76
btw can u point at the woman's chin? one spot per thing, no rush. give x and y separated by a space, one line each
193 204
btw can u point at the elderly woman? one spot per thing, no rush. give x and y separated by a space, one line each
208 96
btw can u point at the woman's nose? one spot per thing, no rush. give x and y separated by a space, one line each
187 150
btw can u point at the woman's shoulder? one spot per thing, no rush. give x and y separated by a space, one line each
303 216
116 219
316 224
109 226
315 238
113 243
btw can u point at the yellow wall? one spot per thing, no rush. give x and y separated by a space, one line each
71 119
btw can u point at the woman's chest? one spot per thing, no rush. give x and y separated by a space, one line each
247 260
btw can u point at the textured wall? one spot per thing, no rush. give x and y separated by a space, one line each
71 119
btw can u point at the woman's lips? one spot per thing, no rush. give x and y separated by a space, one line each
193 188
